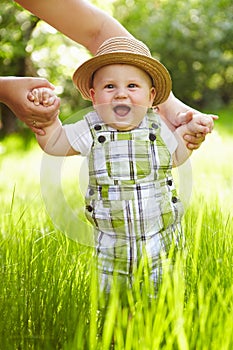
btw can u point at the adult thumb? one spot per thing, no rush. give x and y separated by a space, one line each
184 117
41 82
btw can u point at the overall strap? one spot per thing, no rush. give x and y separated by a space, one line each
153 120
95 123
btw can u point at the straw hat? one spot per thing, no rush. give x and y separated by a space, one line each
125 50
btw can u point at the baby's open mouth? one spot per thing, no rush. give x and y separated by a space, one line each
121 110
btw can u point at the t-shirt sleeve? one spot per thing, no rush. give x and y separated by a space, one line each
168 137
79 136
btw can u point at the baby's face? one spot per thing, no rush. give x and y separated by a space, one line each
121 95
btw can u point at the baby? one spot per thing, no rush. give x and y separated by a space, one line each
131 200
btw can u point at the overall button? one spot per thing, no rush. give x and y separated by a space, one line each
91 192
89 208
174 200
101 139
154 126
152 137
169 182
97 127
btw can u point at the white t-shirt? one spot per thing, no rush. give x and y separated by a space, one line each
81 140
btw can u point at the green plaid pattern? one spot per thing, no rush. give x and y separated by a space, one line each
131 199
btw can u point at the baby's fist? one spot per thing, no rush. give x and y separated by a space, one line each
43 96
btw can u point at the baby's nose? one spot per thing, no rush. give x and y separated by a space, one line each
121 93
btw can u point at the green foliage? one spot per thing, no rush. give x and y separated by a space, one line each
192 39
15 31
225 121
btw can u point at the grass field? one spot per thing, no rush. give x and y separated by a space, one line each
48 288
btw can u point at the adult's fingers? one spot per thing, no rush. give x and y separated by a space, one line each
194 142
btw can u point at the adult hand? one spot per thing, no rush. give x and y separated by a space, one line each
14 92
195 140
175 113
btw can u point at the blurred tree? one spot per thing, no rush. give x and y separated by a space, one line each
15 30
55 57
193 39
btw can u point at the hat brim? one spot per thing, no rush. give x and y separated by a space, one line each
82 77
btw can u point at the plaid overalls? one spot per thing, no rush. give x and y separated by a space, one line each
131 199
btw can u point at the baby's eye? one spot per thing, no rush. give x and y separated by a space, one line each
132 85
109 86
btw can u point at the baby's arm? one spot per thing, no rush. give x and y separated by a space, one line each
201 124
55 141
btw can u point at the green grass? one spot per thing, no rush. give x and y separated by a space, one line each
48 289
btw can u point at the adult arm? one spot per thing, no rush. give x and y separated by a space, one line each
78 19
13 93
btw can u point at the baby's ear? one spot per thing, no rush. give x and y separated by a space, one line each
92 95
152 95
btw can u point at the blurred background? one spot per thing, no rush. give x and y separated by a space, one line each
193 39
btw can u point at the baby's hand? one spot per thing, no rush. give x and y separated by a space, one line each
43 96
201 124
